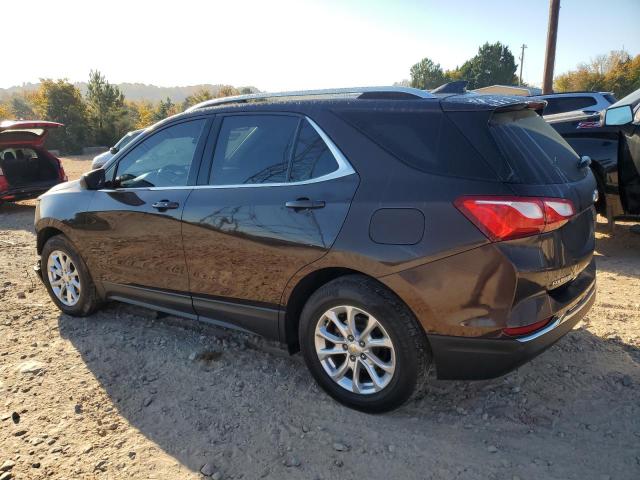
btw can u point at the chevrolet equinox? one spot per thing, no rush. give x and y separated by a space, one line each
379 231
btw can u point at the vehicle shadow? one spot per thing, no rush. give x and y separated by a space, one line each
206 394
17 216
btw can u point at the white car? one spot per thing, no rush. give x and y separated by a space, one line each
575 102
100 160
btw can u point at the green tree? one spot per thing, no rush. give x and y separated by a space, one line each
426 74
106 110
60 101
165 109
21 107
494 64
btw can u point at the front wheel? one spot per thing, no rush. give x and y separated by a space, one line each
67 278
363 346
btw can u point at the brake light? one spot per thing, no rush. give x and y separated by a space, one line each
4 184
525 330
504 218
61 173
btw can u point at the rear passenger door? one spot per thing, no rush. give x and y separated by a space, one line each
272 196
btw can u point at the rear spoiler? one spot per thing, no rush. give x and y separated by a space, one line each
493 103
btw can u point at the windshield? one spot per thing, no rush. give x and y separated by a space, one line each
632 99
126 139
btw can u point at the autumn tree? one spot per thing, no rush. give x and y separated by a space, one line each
5 112
227 91
616 72
201 95
60 101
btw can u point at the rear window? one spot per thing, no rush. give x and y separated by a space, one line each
425 140
535 151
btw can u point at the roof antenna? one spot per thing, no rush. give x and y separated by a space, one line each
459 86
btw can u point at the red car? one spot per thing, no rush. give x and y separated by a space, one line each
27 169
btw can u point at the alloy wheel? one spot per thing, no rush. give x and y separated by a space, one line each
355 350
64 278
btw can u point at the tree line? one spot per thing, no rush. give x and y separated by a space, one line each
101 116
494 64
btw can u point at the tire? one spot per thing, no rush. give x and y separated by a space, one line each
86 299
406 361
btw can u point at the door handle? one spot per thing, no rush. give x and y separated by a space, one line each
163 205
304 204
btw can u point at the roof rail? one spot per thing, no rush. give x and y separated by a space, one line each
332 92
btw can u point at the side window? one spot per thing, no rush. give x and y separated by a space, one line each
568 104
312 158
253 149
553 106
162 160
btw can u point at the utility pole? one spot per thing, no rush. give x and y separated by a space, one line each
521 62
552 37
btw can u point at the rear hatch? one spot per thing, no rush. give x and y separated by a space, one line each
25 133
534 161
25 166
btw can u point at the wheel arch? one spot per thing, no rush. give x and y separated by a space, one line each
304 288
45 234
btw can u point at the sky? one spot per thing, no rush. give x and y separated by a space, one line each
288 45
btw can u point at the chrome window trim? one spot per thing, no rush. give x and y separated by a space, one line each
344 169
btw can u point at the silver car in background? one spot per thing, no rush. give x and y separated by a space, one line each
100 160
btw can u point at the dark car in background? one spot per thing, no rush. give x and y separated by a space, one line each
27 169
611 141
378 230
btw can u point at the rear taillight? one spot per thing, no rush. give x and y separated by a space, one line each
61 174
504 218
4 184
525 330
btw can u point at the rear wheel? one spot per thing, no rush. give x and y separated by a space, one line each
363 345
67 278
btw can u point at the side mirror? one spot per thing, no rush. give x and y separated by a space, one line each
93 180
113 150
618 115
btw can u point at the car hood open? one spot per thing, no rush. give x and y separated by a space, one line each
25 133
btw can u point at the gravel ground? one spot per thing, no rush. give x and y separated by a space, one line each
127 393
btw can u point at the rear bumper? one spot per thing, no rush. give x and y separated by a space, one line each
470 358
25 193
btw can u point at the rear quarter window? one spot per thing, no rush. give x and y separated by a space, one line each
534 150
424 140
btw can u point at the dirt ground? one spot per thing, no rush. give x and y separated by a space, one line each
126 394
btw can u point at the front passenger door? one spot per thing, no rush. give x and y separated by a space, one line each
135 244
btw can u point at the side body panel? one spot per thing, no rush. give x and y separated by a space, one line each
243 243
